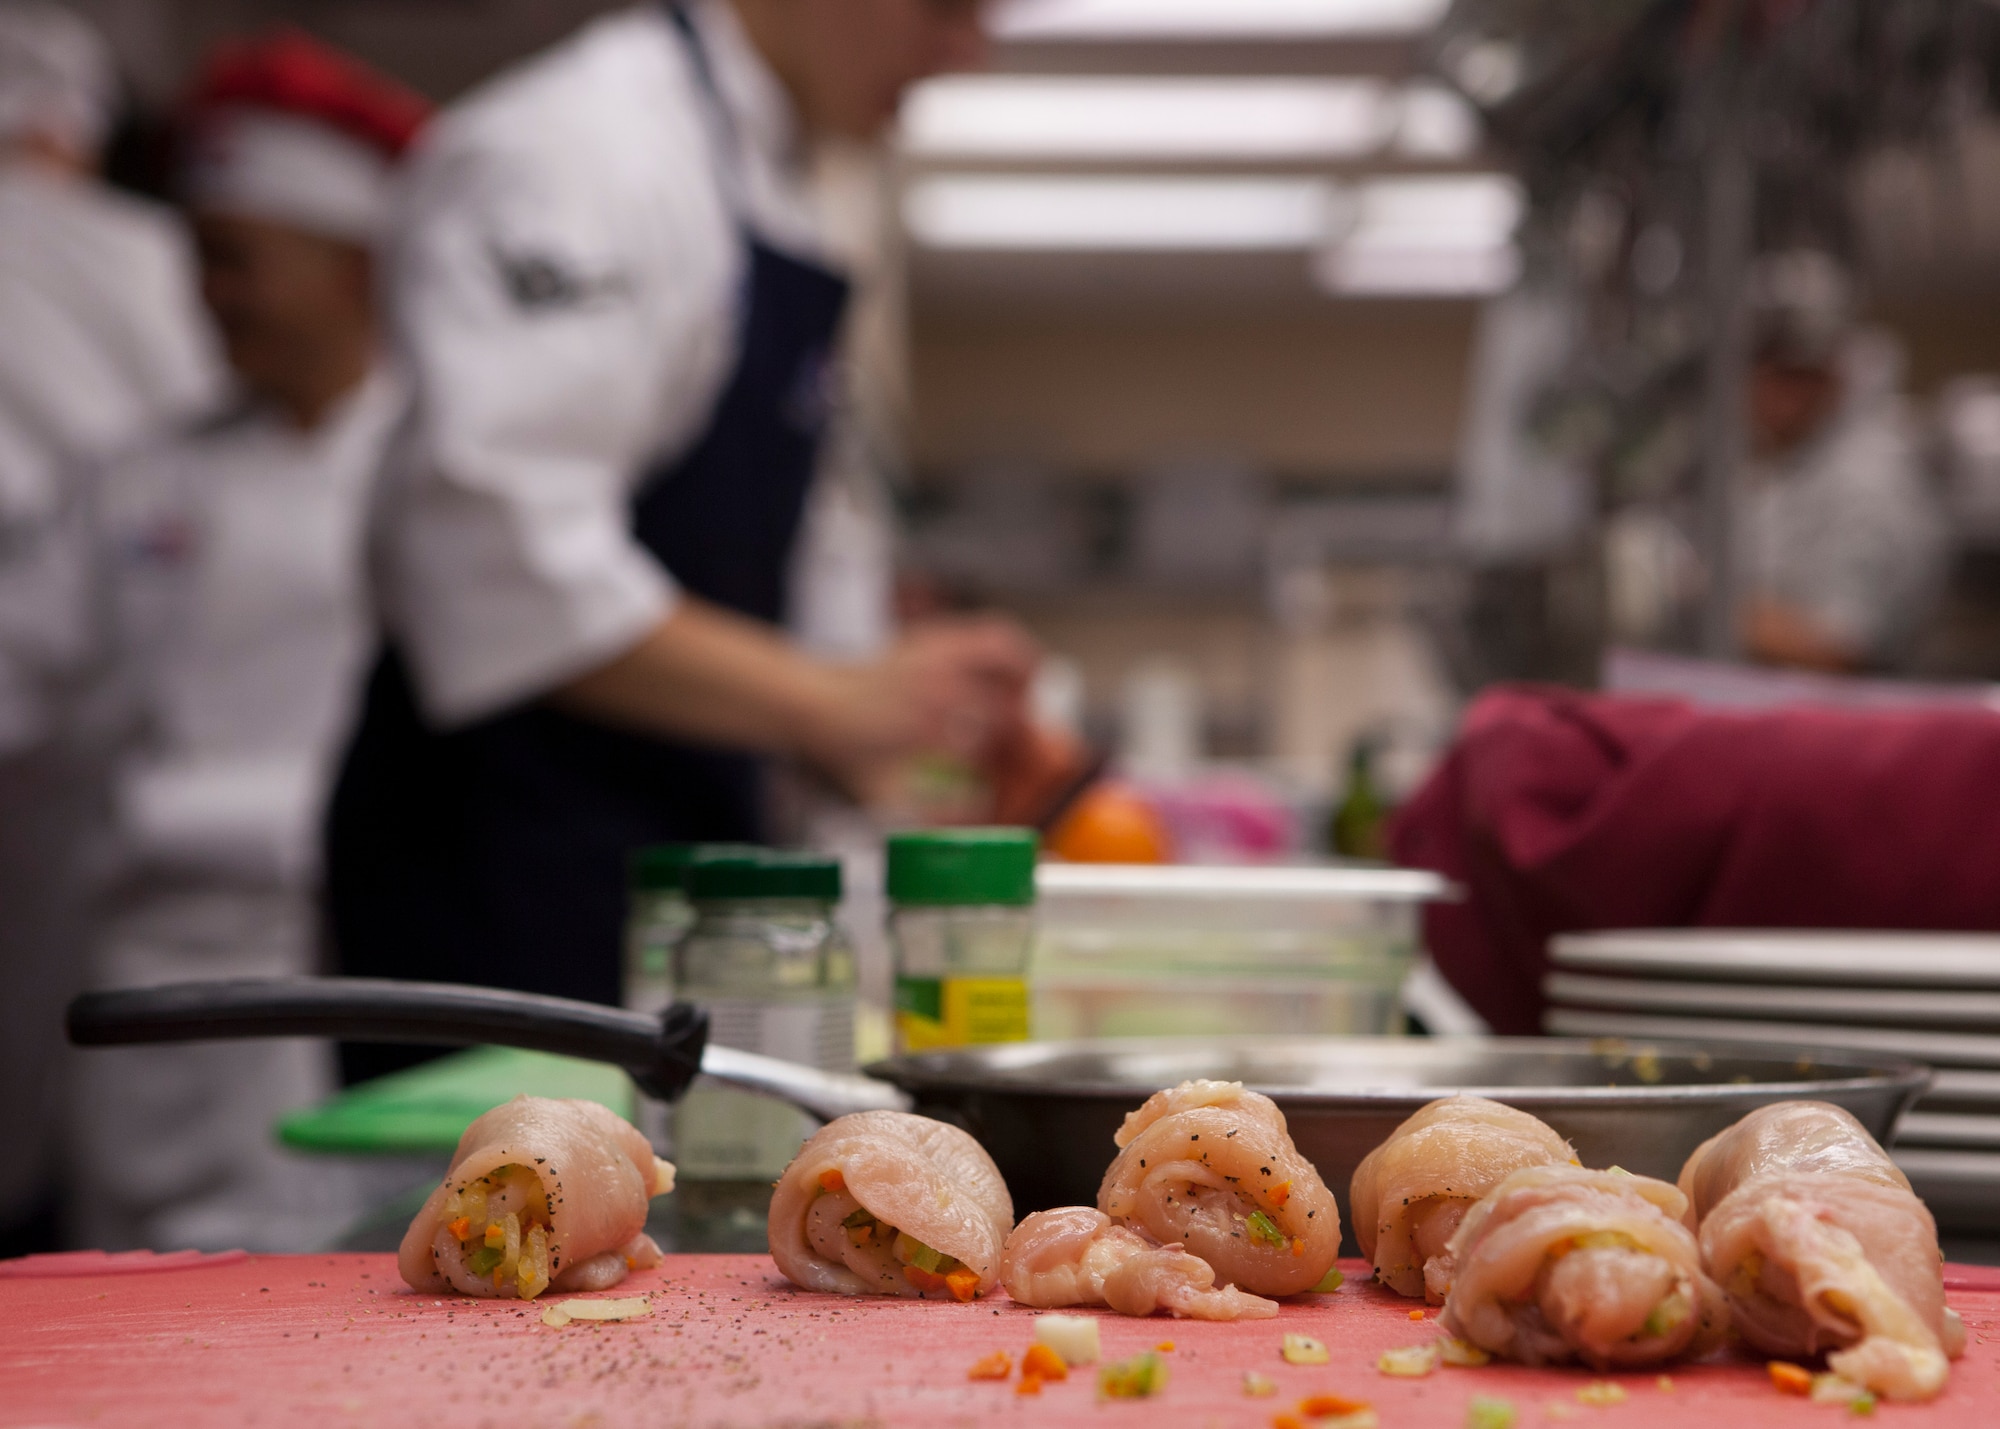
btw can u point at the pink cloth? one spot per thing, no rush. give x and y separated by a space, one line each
1564 812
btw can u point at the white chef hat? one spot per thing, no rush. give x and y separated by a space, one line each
57 77
288 129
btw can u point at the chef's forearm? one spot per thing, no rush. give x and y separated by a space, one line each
708 674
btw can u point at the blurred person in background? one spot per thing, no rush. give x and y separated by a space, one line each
225 567
100 339
1843 545
613 291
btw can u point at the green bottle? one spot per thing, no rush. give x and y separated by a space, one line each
1360 822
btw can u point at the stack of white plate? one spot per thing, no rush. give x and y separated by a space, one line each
1931 997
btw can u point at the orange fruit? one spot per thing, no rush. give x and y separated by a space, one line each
1111 823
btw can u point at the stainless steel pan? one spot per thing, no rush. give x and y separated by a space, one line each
1048 1111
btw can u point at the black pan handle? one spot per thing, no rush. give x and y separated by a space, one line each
662 1054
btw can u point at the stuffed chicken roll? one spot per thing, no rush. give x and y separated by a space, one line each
1558 1263
1410 1193
1210 1166
1820 1245
1078 1256
541 1193
886 1203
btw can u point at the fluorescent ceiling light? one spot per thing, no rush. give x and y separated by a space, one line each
1121 214
1427 236
1120 118
1211 19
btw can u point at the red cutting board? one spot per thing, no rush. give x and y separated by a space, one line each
292 1341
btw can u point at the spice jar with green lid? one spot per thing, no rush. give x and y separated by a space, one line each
769 963
658 916
962 924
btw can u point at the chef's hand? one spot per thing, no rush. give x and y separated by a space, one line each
950 686
953 686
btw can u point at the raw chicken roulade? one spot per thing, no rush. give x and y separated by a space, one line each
1077 1256
541 1193
1210 1166
1820 1245
1558 1263
885 1203
1410 1193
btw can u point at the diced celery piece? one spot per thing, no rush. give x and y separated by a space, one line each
1330 1282
1667 1316
858 1218
914 1252
1486 1412
484 1260
1264 1229
1140 1377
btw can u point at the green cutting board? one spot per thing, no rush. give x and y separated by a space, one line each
427 1108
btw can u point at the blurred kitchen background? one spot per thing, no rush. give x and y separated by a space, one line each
1294 368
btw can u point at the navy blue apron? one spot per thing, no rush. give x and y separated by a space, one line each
495 853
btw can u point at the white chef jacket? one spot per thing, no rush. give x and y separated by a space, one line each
232 633
566 287
101 340
1848 530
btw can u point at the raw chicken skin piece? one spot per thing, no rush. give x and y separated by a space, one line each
1210 1166
1558 1263
1784 1138
1410 1193
1078 1256
886 1203
1820 1245
552 1192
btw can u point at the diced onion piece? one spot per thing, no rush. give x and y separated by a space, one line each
1303 1349
1074 1337
1601 1392
633 1307
998 1365
1411 1361
1462 1354
1258 1386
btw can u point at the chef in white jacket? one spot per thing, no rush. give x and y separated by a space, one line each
618 310
233 630
101 339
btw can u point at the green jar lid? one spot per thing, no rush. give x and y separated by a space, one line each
662 868
763 874
947 867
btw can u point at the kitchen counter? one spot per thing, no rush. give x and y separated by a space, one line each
338 1339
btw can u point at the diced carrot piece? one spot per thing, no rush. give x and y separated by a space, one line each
1327 1406
998 1365
963 1283
1790 1378
1416 1314
1298 1249
460 1228
1165 1347
832 1182
1030 1384
1287 1421
1041 1362
928 1281
1279 1194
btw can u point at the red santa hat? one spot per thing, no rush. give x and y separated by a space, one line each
285 128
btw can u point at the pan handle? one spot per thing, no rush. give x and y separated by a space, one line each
661 1054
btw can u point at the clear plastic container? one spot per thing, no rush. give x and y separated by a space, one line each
769 963
962 922
1131 951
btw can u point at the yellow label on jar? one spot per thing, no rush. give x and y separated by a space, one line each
960 1011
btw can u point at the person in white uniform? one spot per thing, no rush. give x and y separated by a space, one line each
1843 547
233 629
618 312
101 339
